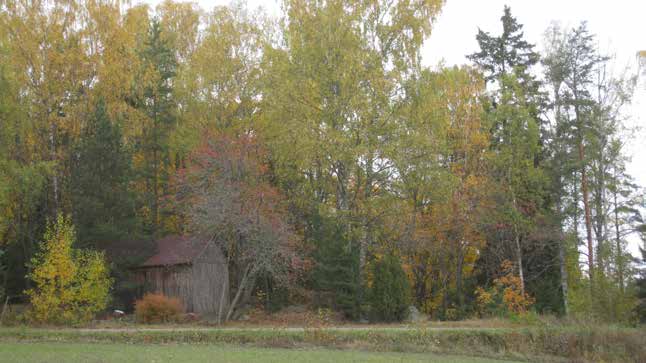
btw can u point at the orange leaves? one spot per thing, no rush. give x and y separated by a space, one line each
506 295
157 308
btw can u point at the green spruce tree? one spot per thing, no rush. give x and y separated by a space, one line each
159 68
389 294
517 142
102 204
337 265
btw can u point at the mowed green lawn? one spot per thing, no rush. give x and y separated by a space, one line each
125 353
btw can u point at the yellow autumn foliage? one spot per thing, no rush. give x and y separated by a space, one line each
71 285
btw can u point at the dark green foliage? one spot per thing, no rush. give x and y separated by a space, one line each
270 294
543 282
389 295
103 207
640 310
126 288
337 265
158 102
519 230
159 55
507 53
510 55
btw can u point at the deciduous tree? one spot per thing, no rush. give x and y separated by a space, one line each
228 200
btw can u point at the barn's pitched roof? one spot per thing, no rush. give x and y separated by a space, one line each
175 250
129 252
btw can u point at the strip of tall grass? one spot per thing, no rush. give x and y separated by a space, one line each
535 343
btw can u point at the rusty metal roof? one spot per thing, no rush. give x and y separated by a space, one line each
175 250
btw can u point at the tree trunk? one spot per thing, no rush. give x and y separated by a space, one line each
584 191
155 206
366 241
241 287
223 295
588 218
618 254
575 214
562 242
600 215
562 258
420 287
341 188
458 279
519 250
519 261
444 271
564 277
53 157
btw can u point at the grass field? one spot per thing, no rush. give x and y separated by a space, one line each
342 344
179 353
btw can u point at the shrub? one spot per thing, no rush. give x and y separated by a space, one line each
506 296
13 315
71 285
157 308
389 294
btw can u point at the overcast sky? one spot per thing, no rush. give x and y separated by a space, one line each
620 26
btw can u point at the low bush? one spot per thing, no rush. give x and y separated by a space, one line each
157 308
389 294
505 297
13 315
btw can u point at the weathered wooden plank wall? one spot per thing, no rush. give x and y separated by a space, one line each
209 278
198 285
172 281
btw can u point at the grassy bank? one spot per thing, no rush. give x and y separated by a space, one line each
125 353
546 344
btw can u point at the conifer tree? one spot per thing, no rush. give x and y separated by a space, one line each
336 268
507 53
516 103
157 100
587 144
101 172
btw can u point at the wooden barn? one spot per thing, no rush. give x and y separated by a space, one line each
189 268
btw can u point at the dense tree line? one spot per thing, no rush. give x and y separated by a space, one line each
321 154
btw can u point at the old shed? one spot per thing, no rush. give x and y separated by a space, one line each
189 268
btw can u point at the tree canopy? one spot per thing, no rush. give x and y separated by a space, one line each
320 154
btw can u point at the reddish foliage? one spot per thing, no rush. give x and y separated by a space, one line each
157 308
226 188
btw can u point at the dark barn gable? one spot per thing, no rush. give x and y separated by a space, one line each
188 268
